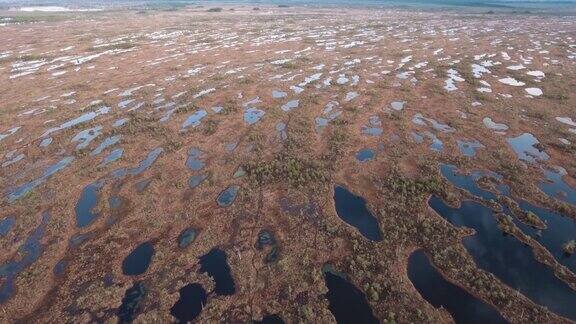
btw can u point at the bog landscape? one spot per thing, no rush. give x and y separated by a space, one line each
274 163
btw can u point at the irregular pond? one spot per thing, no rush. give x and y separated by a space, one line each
397 105
464 307
230 147
556 187
351 96
290 105
352 209
195 180
214 263
143 166
85 137
330 112
138 261
194 162
417 137
373 128
468 182
559 230
365 155
147 162
79 238
253 115
436 145
494 126
109 141
85 205
347 303
468 148
9 132
14 159
6 225
194 119
120 122
420 120
22 190
227 197
59 268
132 303
79 120
525 148
112 157
142 185
27 254
507 258
192 300
281 129
45 142
276 94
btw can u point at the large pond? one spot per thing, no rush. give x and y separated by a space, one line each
85 214
347 303
464 307
353 210
559 229
507 258
214 263
27 254
192 300
138 261
131 303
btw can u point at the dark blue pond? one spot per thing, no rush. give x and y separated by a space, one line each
507 258
559 228
468 182
440 292
352 209
347 303
227 197
215 265
192 300
131 303
85 206
137 262
28 253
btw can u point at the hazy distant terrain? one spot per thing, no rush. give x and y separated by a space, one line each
494 4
